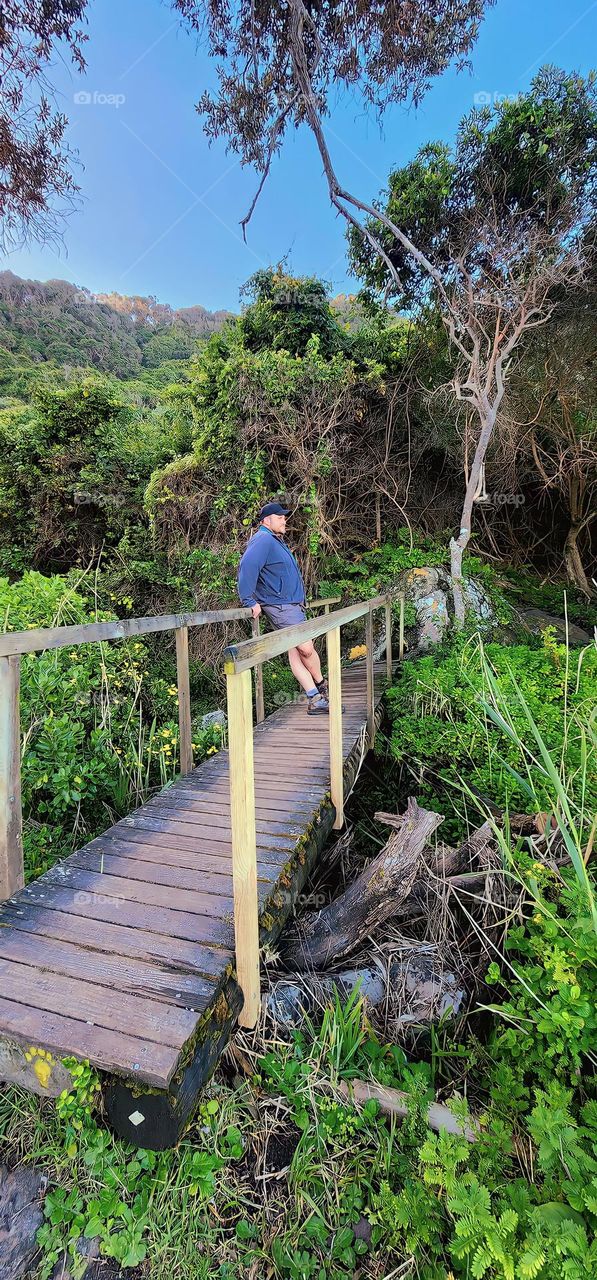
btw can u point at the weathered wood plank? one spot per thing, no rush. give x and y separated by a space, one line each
38 639
244 844
11 827
167 856
52 955
185 748
97 1005
181 954
243 656
158 920
127 890
110 1050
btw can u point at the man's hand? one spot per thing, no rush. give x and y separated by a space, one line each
256 610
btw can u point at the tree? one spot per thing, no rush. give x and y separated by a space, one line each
35 162
500 224
277 68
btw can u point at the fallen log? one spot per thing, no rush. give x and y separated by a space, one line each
332 933
394 1102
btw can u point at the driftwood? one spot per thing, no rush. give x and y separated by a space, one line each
332 933
395 1103
418 987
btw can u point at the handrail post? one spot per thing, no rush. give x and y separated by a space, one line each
401 634
11 822
336 744
259 699
244 843
370 682
184 700
389 661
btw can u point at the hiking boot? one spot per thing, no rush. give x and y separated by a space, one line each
318 705
323 688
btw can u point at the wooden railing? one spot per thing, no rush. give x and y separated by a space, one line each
239 661
15 643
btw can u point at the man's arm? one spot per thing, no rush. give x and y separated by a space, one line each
249 569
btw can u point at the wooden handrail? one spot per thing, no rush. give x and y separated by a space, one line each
239 660
40 639
36 640
243 656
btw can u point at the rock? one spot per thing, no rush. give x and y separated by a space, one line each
430 591
34 1069
21 1216
535 621
213 717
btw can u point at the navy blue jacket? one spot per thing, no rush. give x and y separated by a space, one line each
268 572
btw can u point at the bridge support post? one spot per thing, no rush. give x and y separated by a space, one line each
244 843
184 700
389 660
11 824
401 641
336 746
259 700
370 685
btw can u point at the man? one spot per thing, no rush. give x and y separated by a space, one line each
270 581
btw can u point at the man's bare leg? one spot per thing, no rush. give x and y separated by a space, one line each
310 659
300 670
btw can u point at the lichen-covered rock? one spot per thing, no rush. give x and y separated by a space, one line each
21 1216
212 718
430 591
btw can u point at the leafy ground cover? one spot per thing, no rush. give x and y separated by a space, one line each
278 1176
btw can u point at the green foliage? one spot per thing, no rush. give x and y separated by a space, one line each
440 721
73 473
100 728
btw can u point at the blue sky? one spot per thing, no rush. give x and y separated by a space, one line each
160 208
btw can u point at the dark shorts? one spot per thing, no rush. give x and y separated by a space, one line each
284 615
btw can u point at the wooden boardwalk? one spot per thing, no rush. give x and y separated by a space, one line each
123 954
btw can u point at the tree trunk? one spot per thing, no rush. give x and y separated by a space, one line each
487 413
328 935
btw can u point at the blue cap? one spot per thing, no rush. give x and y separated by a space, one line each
273 509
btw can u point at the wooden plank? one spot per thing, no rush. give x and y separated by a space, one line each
243 656
154 1064
212 883
244 845
158 920
184 700
184 990
272 810
188 831
401 640
219 861
199 817
205 864
97 1005
127 890
38 639
11 824
335 726
103 936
